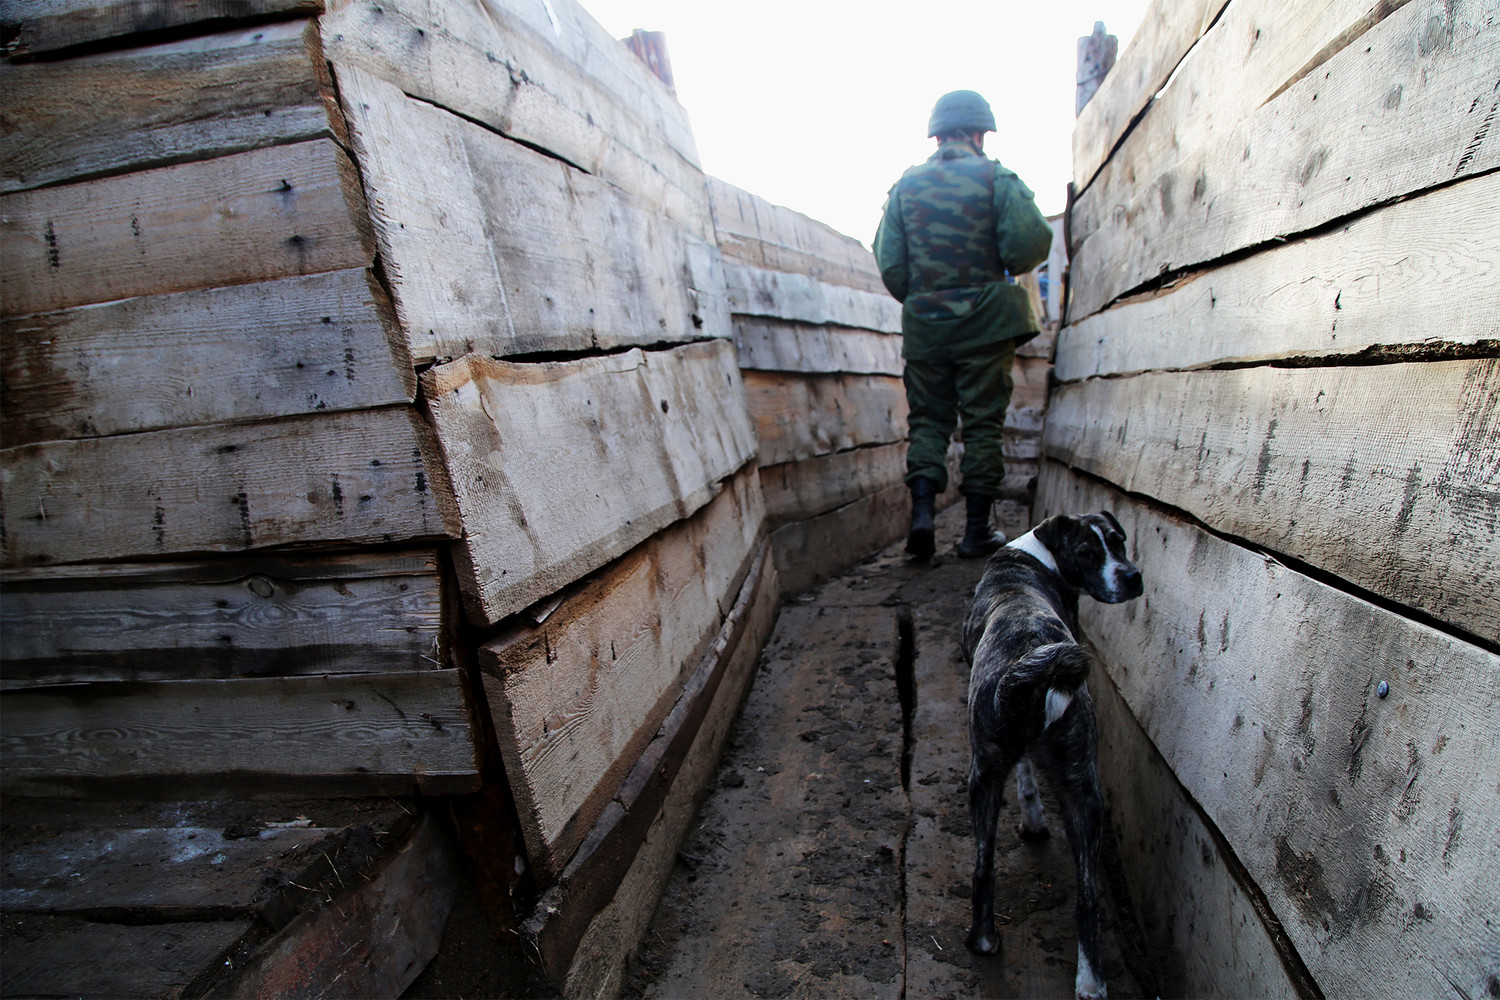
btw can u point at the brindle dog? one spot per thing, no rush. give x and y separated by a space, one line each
1028 699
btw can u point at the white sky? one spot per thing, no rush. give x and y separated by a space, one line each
820 104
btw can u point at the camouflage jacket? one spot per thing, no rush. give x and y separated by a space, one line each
953 231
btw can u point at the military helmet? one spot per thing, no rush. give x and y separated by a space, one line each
961 111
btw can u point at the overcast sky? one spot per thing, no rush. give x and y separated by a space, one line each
820 104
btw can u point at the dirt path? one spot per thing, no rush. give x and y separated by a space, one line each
832 857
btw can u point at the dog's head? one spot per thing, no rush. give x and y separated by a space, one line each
1090 554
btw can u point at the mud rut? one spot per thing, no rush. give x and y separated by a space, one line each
831 857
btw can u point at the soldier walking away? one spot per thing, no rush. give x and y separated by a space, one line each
954 231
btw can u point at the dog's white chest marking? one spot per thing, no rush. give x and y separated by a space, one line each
1032 546
1057 703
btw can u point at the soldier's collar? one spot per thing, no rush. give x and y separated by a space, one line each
952 149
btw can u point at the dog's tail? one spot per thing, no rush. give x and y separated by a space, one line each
1057 664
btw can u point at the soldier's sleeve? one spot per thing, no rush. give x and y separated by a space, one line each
890 247
1021 230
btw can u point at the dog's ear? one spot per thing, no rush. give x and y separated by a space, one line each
1050 532
1111 519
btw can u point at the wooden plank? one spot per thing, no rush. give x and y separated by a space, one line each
1166 34
1385 281
577 698
1318 151
1256 50
782 295
1031 375
223 618
180 872
797 490
485 63
494 248
48 25
363 734
544 500
1356 815
1383 475
51 956
598 911
320 342
161 104
753 231
371 476
782 346
255 216
370 942
1201 926
802 416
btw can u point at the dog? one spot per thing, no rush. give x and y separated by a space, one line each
1028 703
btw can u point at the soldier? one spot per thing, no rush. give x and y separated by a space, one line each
954 231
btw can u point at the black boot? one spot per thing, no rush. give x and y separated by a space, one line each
978 539
919 542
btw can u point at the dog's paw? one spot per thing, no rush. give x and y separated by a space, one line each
1101 993
982 942
1033 833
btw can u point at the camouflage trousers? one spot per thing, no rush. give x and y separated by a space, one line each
974 389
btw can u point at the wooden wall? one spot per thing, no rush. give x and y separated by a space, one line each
1280 370
371 402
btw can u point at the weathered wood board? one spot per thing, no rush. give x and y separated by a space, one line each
797 490
577 698
753 231
598 912
1256 49
545 501
361 734
267 213
802 416
296 345
222 618
1422 273
370 476
1358 816
47 25
1387 476
1166 34
494 248
779 345
1201 927
784 295
55 956
160 104
482 61
370 942
1320 150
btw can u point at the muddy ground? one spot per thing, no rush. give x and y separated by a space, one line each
833 856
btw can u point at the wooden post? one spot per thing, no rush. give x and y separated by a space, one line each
650 47
1096 57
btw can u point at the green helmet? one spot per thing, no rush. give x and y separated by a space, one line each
961 111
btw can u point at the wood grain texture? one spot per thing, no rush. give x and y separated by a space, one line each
371 476
48 25
577 698
1198 923
497 249
783 295
222 618
1166 34
753 231
802 416
1421 273
245 352
160 104
782 346
254 216
543 500
484 62
794 491
362 733
1406 108
1357 816
370 942
1387 476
